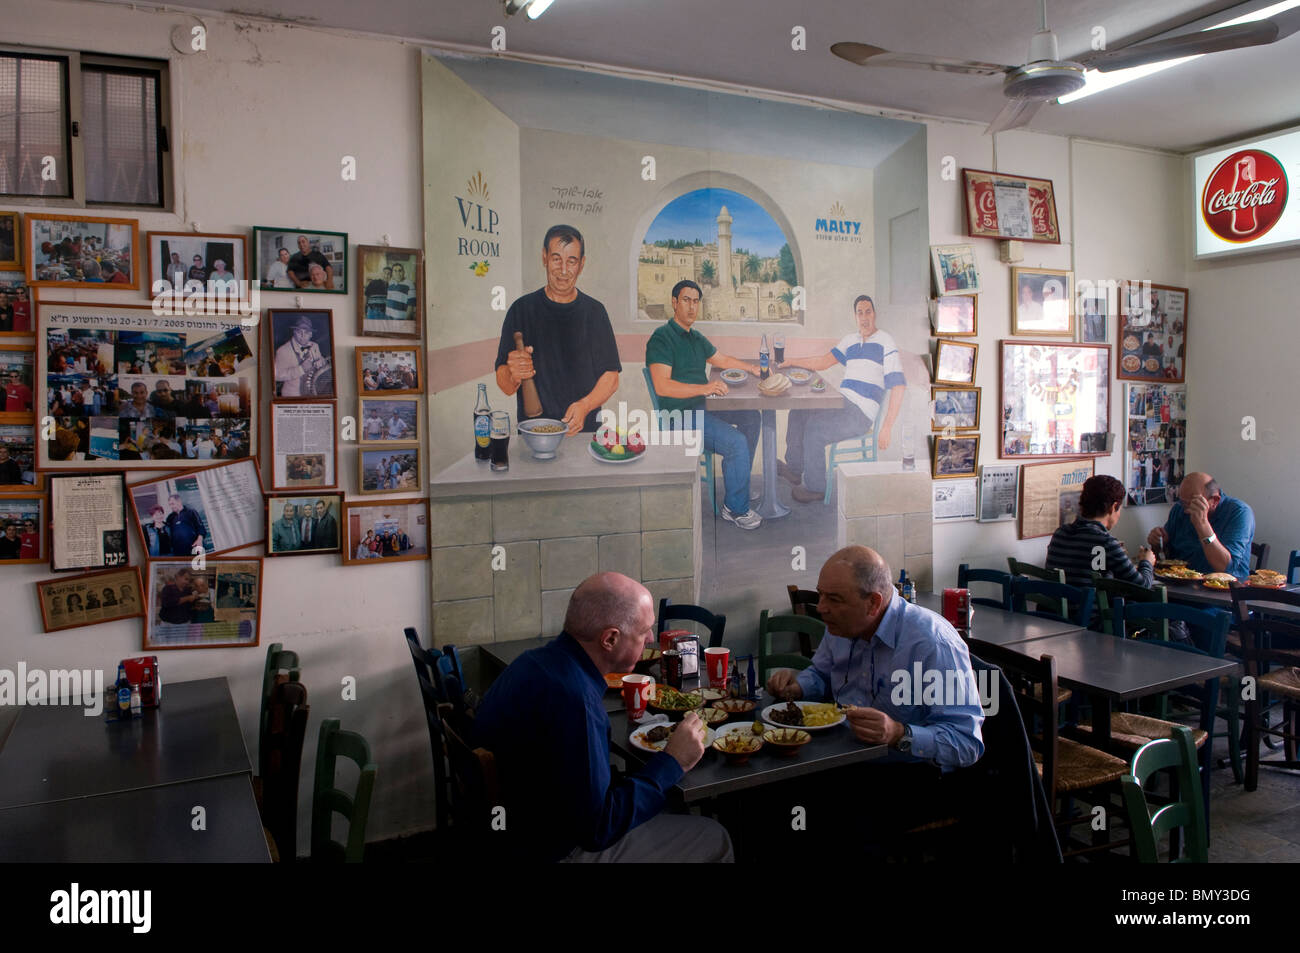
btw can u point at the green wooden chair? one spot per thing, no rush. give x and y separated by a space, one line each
1108 589
281 666
857 450
1046 575
1187 813
801 625
327 800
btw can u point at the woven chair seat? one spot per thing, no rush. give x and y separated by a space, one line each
1062 694
1131 731
1079 767
1234 646
1282 681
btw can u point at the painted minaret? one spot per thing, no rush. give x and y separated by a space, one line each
724 249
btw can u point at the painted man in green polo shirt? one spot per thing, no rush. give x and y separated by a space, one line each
676 356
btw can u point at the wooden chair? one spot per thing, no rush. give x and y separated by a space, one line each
1259 553
280 666
328 800
426 664
804 602
1038 572
1109 589
966 575
1268 651
716 624
281 753
475 786
858 450
706 459
1075 601
798 624
1186 814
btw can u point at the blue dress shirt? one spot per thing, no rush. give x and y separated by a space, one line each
544 719
882 673
1232 521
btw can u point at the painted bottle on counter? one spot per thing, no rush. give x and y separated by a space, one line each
764 360
482 426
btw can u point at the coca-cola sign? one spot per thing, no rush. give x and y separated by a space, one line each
1244 196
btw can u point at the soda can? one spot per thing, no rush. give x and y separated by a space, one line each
672 668
956 608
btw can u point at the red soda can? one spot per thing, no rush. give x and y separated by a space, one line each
956 608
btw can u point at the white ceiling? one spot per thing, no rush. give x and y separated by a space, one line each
1216 98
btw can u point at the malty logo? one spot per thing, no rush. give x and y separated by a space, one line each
1244 196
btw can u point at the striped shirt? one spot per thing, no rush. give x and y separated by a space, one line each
1073 548
871 367
395 305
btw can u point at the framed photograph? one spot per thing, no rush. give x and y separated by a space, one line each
954 269
392 291
957 408
88 529
218 606
195 262
216 509
23 523
954 362
304 445
385 531
389 419
954 316
303 345
11 241
18 459
396 369
16 308
1093 306
1010 206
301 524
999 493
1055 399
392 468
17 378
133 390
1152 333
955 456
105 596
1043 302
79 251
1049 495
299 260
1155 448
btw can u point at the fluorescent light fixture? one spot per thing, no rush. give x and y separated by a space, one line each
538 7
1098 82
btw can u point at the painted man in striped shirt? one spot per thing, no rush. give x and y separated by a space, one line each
871 367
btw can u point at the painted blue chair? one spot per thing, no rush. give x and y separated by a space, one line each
966 575
855 450
706 459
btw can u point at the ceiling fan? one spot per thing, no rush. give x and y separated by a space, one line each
1045 76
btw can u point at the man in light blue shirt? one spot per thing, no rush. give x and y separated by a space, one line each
1209 529
903 668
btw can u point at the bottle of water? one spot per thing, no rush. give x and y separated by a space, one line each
764 360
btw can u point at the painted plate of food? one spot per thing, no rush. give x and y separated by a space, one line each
799 375
735 375
810 716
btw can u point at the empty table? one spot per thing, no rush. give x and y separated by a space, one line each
999 627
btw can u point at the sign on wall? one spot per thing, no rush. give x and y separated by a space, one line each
1242 195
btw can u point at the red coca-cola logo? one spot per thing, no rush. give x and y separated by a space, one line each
1244 196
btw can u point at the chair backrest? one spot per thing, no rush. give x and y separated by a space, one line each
426 664
286 729
1110 589
1046 575
806 627
966 575
804 601
280 666
328 800
1293 568
474 783
1267 637
1188 812
1076 601
1259 552
1033 681
650 386
716 624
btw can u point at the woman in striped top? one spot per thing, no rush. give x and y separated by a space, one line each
1086 544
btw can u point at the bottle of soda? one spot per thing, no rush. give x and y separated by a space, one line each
146 688
764 360
123 695
482 426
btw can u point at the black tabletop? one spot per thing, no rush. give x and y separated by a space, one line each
58 752
997 627
1123 669
830 748
1197 596
147 825
503 653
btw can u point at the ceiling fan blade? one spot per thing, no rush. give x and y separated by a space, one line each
1218 40
864 54
1016 113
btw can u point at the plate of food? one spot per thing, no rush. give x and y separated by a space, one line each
742 728
712 717
1219 580
735 375
799 375
810 716
1131 343
735 706
737 746
713 694
1178 574
818 386
1131 363
1152 365
1267 579
614 680
786 742
617 448
666 698
654 738
1170 563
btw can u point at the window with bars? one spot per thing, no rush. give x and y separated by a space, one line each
82 130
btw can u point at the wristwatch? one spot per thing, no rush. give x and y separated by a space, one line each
905 742
1209 539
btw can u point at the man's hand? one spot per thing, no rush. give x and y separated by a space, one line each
756 370
1158 538
874 727
686 744
1198 511
574 417
784 684
520 365
1146 554
715 388
882 439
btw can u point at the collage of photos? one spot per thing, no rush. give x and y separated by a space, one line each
1152 333
91 598
301 524
218 605
1156 449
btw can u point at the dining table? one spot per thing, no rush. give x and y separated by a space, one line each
1000 626
1200 597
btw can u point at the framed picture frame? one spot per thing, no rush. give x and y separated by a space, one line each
287 259
18 472
380 531
1152 342
391 299
395 468
954 316
108 595
291 532
212 263
1042 302
1093 309
17 305
302 345
955 408
304 444
999 493
218 606
1010 206
1049 495
24 521
133 390
954 269
955 457
82 251
89 526
390 370
219 507
388 420
954 361
1054 399
11 241
17 383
